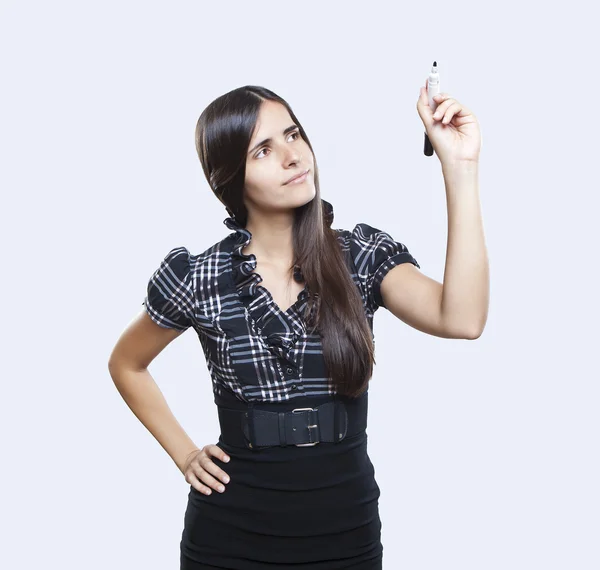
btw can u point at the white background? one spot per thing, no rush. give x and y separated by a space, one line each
486 451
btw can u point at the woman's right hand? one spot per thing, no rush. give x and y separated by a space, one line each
202 473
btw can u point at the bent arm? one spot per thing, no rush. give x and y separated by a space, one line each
136 348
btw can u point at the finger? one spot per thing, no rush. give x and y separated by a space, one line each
441 97
193 480
204 475
217 452
215 470
451 111
442 108
438 98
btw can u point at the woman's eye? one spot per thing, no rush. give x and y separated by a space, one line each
297 133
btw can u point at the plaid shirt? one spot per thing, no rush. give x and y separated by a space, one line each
254 350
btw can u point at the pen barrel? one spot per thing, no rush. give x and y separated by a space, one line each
427 147
433 89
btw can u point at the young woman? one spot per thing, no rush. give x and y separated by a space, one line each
283 307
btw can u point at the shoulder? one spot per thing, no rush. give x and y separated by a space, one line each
175 265
169 297
178 289
212 260
181 266
368 237
361 234
373 252
368 244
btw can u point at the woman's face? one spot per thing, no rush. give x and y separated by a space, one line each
270 165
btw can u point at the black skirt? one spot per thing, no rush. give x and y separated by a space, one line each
306 508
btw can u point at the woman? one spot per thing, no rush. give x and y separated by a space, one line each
283 308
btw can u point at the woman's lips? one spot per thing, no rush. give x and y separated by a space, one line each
299 179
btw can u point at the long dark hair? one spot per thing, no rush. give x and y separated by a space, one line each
335 307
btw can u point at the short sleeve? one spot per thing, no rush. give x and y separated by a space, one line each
375 253
170 296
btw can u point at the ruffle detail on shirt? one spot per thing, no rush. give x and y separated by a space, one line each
243 268
243 265
278 337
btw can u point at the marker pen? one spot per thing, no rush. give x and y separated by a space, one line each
433 89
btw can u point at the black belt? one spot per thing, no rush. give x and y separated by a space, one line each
331 421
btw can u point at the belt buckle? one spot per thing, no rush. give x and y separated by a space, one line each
312 426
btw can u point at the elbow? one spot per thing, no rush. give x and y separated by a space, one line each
474 333
464 331
113 363
472 336
116 369
113 369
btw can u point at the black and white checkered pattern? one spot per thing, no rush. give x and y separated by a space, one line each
254 350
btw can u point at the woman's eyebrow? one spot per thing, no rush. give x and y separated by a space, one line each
267 141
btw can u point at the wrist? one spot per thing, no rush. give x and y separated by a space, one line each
182 465
461 165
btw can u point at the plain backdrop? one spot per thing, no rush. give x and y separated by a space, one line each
486 451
